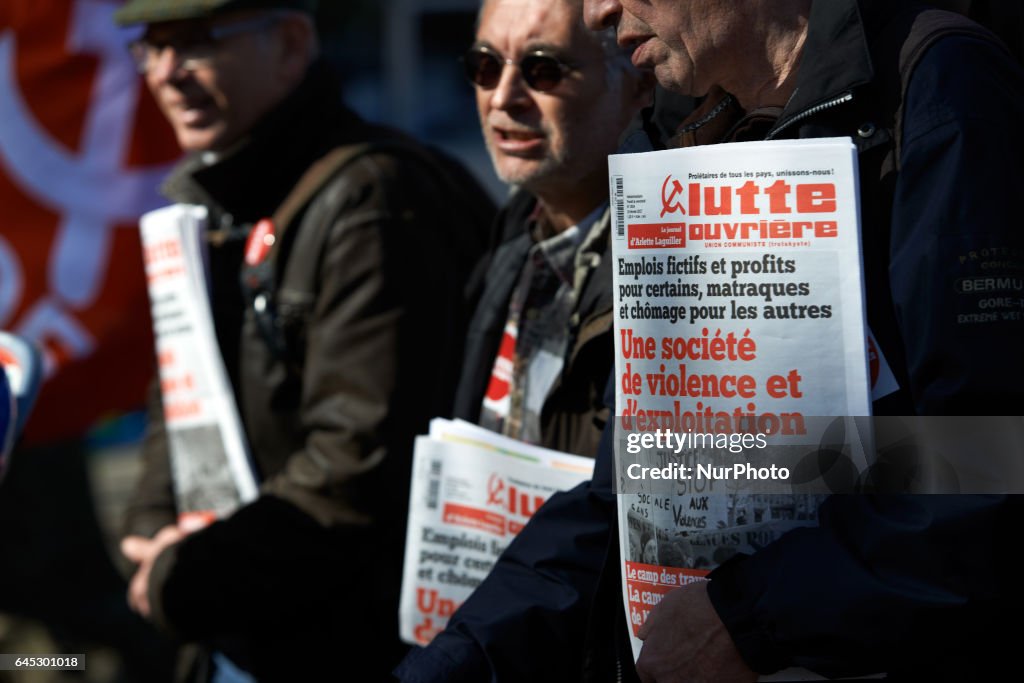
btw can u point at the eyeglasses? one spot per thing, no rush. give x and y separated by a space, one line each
541 72
196 47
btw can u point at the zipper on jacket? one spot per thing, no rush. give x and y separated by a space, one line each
707 118
818 108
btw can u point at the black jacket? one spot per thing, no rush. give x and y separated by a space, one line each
917 585
574 412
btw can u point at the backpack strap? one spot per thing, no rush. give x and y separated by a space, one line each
260 281
313 180
328 166
926 28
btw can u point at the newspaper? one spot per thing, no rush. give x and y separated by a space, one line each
739 311
472 491
210 463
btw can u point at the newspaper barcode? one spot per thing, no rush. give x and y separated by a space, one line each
432 494
620 209
434 487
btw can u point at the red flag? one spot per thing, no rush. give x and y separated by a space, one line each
82 151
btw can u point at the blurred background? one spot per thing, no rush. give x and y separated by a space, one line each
399 62
82 152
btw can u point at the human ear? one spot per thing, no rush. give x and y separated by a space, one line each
296 46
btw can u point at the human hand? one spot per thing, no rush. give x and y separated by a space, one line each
143 552
685 641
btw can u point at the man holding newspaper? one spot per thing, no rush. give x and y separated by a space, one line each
918 587
296 370
552 100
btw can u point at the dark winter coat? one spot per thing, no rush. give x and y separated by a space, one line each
912 585
369 291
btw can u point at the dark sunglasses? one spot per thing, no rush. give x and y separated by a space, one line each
541 71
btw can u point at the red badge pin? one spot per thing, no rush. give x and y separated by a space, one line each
261 239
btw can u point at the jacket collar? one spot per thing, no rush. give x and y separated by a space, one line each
251 179
836 57
836 61
515 221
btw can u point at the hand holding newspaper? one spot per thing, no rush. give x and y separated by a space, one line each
472 491
739 314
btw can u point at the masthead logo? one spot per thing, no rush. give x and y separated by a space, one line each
669 194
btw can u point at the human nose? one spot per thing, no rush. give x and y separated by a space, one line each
601 14
510 92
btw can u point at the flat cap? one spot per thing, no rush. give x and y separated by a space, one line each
154 11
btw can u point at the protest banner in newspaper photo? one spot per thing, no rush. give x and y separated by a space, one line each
209 457
472 491
739 314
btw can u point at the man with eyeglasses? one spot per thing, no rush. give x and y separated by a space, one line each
553 100
340 324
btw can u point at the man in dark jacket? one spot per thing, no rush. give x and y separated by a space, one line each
341 341
916 586
539 346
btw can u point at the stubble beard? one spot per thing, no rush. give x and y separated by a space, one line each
533 178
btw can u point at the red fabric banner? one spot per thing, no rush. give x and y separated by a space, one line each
82 151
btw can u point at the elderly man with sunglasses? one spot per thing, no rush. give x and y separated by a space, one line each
915 586
340 324
553 100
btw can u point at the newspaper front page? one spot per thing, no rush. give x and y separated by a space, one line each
472 491
739 314
209 457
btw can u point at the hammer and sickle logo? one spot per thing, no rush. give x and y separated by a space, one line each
90 188
667 205
495 490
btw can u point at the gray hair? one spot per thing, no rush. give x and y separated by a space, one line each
617 60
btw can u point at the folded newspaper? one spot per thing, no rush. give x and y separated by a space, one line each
210 462
472 491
